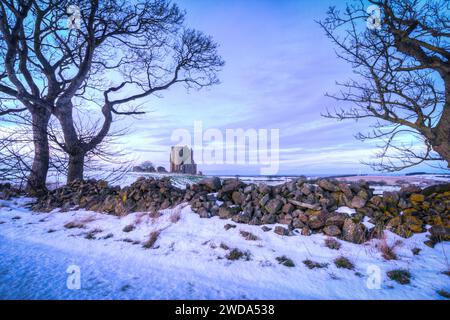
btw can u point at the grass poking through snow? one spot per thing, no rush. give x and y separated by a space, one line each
285 261
79 224
388 251
444 294
91 234
237 254
400 276
332 244
74 225
153 237
175 217
249 236
314 265
229 226
344 263
128 228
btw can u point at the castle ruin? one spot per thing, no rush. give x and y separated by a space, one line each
182 160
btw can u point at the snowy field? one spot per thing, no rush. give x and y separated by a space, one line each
379 183
189 260
125 178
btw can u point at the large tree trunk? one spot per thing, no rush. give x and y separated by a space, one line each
441 143
76 167
74 147
38 175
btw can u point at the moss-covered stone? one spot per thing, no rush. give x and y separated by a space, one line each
417 198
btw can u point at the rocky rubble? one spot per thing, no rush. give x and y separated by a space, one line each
310 206
298 204
303 205
146 195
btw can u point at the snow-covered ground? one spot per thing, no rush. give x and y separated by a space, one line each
126 178
188 260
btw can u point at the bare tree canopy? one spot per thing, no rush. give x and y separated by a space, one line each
57 54
402 67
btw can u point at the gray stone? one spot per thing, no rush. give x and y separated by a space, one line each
328 185
227 212
264 189
304 205
242 217
230 185
306 231
264 200
273 206
315 222
238 197
286 219
332 231
269 219
307 189
391 197
281 231
213 184
353 232
296 223
337 220
287 208
358 202
440 233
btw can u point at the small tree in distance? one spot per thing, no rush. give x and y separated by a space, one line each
147 165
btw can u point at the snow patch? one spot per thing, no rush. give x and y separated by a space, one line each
188 260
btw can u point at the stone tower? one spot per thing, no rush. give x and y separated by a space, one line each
182 160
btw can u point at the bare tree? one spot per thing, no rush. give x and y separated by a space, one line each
107 53
15 159
17 82
107 161
402 78
16 151
142 47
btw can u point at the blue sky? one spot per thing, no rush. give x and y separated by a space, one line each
278 67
